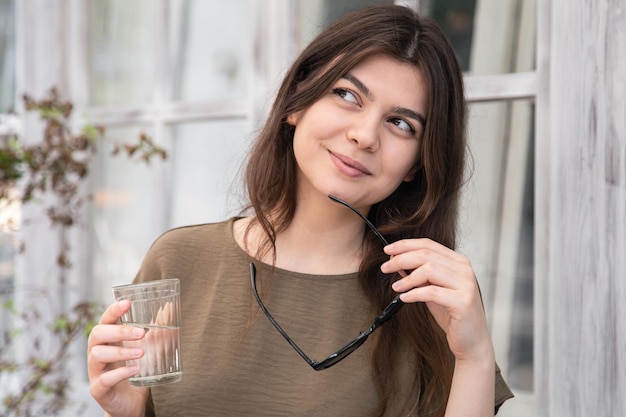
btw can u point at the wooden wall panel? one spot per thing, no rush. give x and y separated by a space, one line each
580 271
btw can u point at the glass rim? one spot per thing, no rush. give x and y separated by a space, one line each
154 283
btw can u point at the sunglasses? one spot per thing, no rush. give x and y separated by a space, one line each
388 312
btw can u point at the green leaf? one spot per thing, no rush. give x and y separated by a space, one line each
88 328
60 324
50 113
47 388
10 366
15 333
10 306
40 364
91 132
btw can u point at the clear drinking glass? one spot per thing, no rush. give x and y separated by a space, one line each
155 307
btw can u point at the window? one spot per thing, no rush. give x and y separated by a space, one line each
197 77
497 234
497 213
182 74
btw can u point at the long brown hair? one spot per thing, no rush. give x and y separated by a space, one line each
424 207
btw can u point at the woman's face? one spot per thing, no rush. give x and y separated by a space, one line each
360 140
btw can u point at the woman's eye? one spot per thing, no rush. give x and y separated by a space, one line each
346 94
402 125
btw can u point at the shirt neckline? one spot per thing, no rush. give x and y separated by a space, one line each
276 270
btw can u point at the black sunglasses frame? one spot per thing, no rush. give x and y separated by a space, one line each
388 312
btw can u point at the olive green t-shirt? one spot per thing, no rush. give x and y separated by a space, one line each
235 363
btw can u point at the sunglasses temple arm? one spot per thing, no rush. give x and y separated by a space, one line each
392 308
369 224
273 321
365 219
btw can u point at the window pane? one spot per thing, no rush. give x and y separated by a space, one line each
497 229
122 50
214 43
521 351
490 37
313 16
456 18
127 211
134 202
7 55
206 162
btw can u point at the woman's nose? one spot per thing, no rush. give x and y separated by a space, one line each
364 131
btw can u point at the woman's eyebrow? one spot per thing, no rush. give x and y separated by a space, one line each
359 85
412 114
400 110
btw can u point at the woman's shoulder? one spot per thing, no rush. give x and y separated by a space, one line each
197 234
188 242
221 227
185 249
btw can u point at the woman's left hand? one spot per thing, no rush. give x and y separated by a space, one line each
446 282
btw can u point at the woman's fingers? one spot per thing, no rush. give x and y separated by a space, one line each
455 301
111 354
429 263
409 245
106 355
101 386
113 333
114 312
107 331
445 281
104 348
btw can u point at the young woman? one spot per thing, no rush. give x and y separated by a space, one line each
372 113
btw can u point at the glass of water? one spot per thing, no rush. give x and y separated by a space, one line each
155 307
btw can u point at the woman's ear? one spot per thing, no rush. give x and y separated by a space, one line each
292 119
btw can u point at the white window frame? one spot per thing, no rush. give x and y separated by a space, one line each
61 60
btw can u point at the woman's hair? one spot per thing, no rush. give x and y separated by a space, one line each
424 207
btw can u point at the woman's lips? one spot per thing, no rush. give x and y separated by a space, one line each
349 166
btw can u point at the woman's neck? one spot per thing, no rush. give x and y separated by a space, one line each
322 239
320 244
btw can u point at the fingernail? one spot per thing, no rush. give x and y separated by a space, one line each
134 369
136 352
396 286
383 267
137 332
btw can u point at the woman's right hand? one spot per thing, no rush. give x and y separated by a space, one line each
108 374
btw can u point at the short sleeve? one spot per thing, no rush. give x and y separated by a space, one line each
503 391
